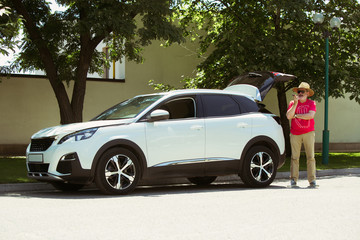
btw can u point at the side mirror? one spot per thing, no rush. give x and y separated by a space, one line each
158 115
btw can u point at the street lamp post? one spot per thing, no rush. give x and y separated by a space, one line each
335 23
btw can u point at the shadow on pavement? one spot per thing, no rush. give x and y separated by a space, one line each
142 191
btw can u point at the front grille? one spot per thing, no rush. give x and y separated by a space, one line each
41 144
38 167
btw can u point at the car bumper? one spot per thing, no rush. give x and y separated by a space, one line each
282 160
68 171
49 166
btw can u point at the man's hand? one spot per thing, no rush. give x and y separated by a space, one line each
296 99
290 114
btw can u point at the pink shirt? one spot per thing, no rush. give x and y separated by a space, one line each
301 126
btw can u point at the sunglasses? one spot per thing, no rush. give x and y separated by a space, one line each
301 91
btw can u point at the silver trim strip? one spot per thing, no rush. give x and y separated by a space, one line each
45 175
193 161
219 159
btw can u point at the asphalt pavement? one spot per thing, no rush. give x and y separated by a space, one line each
39 186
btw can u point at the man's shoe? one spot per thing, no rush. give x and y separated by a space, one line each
292 183
313 184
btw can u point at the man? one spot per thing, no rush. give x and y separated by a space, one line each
301 112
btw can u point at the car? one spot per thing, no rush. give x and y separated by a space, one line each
197 134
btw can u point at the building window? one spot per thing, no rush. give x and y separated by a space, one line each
116 71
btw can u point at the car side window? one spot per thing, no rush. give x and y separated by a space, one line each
180 108
246 105
220 105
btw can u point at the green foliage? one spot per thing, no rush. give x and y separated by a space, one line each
63 43
114 22
188 83
241 36
161 87
9 28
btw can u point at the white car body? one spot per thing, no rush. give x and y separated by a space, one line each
195 147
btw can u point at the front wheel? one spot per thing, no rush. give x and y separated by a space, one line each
260 166
118 171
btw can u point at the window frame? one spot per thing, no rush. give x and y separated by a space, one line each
194 97
179 99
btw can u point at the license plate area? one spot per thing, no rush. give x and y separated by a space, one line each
35 158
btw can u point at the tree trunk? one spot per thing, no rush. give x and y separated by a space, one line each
282 102
88 46
66 113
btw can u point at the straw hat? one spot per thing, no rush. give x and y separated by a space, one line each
305 86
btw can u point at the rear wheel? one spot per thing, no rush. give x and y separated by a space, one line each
202 180
260 166
118 171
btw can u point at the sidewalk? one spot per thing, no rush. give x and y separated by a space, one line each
28 187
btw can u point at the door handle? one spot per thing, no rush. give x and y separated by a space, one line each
242 125
196 127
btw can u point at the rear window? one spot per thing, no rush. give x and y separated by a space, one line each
246 105
220 105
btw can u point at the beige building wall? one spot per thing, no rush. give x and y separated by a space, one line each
343 120
29 104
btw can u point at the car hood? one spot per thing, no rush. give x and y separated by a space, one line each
74 127
264 81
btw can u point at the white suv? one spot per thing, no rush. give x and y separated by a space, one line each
196 134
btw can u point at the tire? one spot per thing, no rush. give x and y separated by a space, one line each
117 172
202 181
67 187
259 167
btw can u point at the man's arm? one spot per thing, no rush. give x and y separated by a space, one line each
290 114
306 116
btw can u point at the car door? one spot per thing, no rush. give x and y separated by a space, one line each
178 141
227 132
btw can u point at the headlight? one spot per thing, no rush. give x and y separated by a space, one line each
78 136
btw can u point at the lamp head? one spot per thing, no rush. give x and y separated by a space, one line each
335 22
318 18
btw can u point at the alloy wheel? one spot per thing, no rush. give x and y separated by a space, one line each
262 167
120 172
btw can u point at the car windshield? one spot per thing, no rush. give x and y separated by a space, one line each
129 108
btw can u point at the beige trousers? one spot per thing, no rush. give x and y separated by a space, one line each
308 139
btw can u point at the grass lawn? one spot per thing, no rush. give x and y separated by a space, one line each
336 161
13 169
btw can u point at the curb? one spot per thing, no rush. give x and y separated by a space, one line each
29 187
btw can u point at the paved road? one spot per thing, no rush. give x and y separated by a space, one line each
221 211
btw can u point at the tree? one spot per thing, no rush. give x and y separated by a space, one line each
275 35
63 44
9 27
